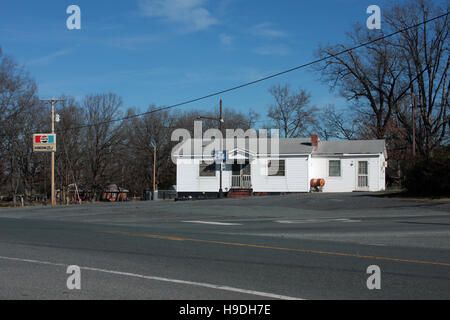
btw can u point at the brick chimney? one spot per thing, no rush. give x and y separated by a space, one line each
315 141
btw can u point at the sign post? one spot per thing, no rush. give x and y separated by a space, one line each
220 120
220 157
46 142
53 101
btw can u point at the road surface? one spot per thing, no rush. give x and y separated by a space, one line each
305 246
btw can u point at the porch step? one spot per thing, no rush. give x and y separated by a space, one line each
239 193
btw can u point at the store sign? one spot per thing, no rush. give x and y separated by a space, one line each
44 142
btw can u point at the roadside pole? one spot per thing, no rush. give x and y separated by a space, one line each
413 105
53 156
220 120
221 147
53 101
155 192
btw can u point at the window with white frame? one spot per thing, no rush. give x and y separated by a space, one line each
207 170
334 168
276 168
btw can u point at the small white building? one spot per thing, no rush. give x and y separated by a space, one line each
345 166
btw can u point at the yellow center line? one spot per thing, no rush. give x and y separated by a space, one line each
331 253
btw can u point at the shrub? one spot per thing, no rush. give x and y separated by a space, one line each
430 177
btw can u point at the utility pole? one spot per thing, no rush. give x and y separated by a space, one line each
155 192
121 187
413 124
220 120
154 171
53 101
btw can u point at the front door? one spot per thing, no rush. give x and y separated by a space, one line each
363 175
241 176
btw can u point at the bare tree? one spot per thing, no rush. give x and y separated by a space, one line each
425 53
386 77
291 112
335 124
146 133
19 117
70 152
371 77
18 91
101 137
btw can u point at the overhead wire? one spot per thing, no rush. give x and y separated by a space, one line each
260 79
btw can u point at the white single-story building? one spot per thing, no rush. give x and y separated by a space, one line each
345 166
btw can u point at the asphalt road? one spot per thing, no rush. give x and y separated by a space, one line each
306 246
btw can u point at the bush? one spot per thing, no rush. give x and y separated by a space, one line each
430 177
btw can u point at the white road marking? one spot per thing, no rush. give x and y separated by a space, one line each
299 221
378 244
134 275
347 220
215 223
316 221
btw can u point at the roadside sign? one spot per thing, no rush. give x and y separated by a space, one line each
44 142
220 156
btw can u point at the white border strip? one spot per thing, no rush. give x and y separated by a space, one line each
134 275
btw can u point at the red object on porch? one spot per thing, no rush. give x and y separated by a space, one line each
317 183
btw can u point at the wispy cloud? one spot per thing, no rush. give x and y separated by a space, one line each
226 40
278 49
45 60
267 30
243 74
132 42
191 15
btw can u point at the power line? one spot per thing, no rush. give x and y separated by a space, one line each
264 78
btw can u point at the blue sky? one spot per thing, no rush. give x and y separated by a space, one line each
165 52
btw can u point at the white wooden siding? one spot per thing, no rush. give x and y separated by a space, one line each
348 180
295 179
299 171
382 177
189 180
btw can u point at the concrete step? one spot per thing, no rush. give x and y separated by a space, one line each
239 193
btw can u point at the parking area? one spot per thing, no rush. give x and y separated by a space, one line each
308 205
